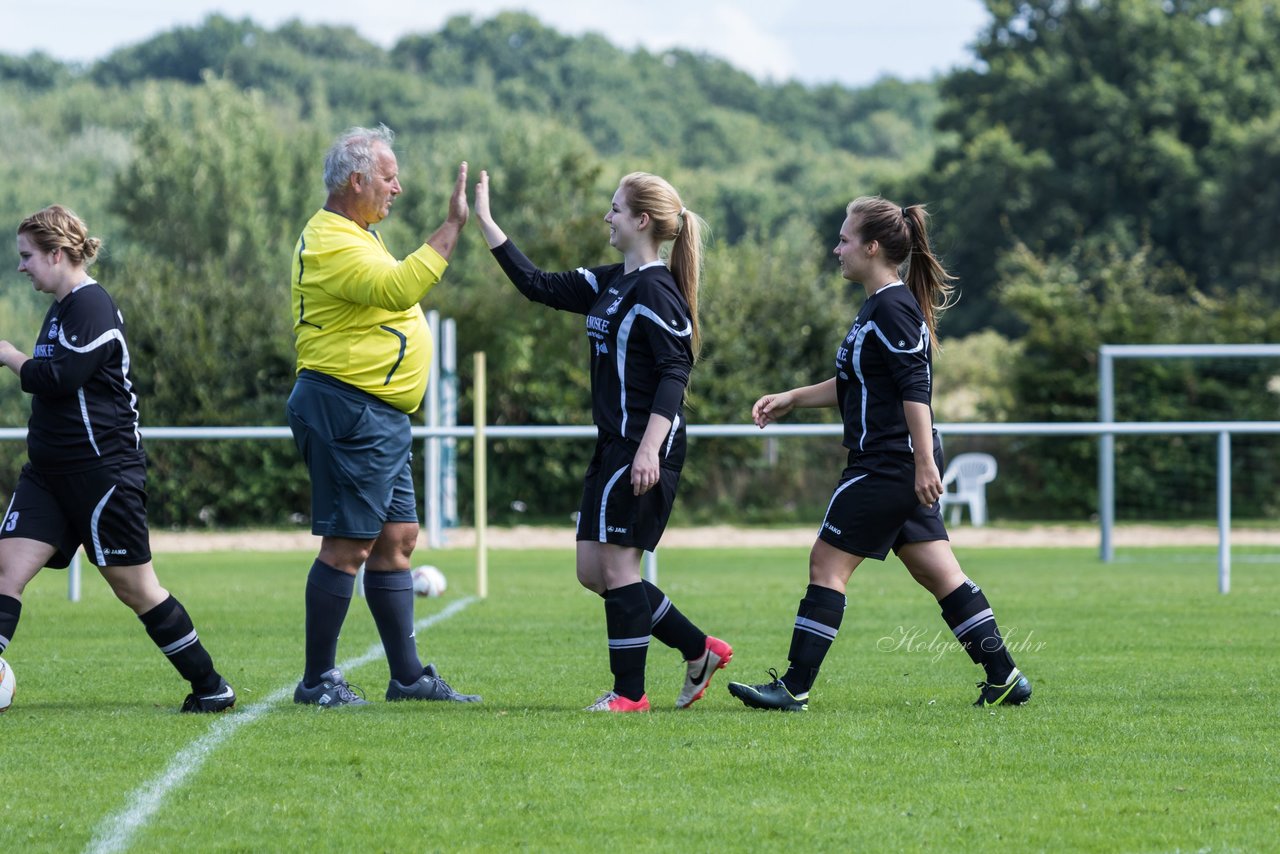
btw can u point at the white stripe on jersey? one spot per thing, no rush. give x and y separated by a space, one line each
84 416
590 277
624 334
103 339
671 436
856 360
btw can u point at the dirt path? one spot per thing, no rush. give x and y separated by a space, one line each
527 537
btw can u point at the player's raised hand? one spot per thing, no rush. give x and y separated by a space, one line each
493 235
482 197
458 210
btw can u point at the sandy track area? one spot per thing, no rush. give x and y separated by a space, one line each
528 537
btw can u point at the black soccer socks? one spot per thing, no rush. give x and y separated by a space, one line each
817 622
328 598
10 611
673 628
390 598
972 621
629 622
170 628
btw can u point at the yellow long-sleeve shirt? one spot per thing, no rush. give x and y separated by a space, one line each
356 313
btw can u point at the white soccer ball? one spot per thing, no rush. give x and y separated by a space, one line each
6 685
429 581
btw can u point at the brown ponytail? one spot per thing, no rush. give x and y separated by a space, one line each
903 234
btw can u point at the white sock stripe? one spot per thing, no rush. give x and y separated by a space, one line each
181 643
976 620
628 643
116 832
4 643
814 627
660 611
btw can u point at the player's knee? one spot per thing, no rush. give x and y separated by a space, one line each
591 580
136 588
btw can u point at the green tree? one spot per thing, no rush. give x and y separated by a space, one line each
1129 122
196 156
1073 305
214 207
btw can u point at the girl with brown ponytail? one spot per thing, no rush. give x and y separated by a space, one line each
887 497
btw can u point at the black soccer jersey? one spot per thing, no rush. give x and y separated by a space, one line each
83 409
639 331
883 361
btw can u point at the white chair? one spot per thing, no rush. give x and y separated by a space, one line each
970 473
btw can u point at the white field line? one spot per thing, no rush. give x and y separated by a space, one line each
117 831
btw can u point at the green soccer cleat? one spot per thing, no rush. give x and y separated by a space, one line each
771 695
1014 692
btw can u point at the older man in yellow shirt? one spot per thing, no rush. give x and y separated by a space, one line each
364 352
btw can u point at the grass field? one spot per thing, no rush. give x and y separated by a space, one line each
1152 728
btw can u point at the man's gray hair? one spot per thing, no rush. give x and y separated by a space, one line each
353 152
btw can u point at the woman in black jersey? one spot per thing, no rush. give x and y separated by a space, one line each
85 481
642 330
887 497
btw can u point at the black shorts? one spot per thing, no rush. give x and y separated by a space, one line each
875 508
104 509
611 512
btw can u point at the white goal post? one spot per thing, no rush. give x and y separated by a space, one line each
1107 356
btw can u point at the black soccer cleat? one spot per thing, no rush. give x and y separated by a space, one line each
771 695
218 701
429 686
1015 691
332 692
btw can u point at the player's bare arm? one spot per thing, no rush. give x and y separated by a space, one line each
773 407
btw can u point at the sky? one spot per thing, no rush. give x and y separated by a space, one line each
853 42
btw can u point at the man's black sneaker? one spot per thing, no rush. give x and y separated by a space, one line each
333 691
215 701
428 687
1014 692
771 695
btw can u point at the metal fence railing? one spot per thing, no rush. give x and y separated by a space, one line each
1223 430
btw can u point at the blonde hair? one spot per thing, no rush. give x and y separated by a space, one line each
903 235
57 227
676 224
